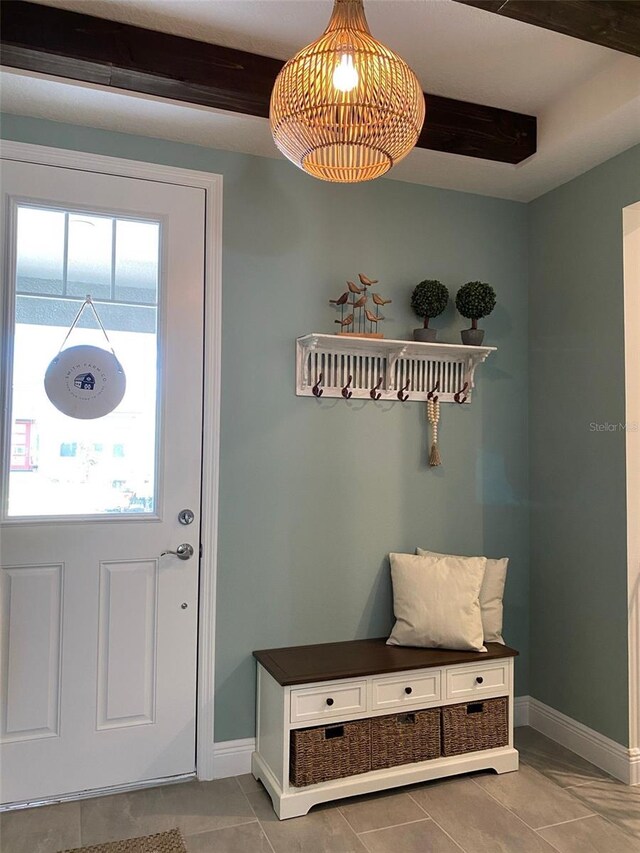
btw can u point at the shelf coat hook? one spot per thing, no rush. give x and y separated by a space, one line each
401 395
375 393
460 396
345 391
432 394
317 391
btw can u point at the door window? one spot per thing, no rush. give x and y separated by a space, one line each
61 466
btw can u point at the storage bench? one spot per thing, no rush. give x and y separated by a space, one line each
341 719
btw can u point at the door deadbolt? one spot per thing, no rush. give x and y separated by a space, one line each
186 516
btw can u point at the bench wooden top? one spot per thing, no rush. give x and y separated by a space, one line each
359 658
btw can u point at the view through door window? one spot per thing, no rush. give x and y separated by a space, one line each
60 465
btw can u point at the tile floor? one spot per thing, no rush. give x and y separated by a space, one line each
556 801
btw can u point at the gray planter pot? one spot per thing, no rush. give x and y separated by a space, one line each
425 335
472 337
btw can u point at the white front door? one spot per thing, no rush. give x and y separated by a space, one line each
98 630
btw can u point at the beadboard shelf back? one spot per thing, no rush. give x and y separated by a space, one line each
380 369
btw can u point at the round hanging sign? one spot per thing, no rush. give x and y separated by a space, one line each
85 382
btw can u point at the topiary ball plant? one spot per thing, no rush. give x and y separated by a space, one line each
428 300
474 300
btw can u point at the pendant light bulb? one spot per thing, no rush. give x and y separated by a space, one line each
345 76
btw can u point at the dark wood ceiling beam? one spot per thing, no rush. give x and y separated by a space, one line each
610 23
80 47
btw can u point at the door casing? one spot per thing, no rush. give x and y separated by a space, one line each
631 257
212 184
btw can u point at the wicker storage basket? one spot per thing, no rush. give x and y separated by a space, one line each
475 725
329 752
405 738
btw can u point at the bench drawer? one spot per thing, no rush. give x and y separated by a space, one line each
329 752
477 680
471 726
415 689
317 703
405 738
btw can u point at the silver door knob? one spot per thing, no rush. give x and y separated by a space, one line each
182 552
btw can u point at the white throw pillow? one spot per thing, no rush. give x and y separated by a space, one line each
491 594
436 602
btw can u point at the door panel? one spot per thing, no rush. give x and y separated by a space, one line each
126 643
31 643
99 632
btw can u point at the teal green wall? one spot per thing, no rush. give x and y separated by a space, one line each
578 517
313 495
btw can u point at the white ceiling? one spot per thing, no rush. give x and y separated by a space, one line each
586 97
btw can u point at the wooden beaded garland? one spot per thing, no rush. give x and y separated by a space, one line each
433 416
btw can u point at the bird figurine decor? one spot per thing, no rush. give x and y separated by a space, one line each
379 300
341 301
373 318
348 321
366 280
361 322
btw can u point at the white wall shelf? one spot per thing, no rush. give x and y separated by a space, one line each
395 370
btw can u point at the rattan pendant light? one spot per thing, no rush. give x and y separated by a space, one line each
346 108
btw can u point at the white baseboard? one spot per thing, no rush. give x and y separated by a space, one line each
232 757
610 756
521 711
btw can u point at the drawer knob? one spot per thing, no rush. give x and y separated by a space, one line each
329 701
479 679
408 691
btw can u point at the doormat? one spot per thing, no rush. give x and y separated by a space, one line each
163 842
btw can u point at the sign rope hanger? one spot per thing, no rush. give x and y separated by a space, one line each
88 302
85 382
